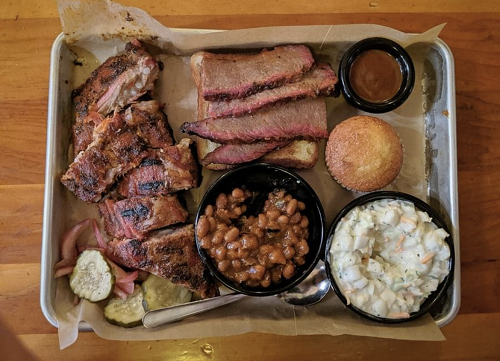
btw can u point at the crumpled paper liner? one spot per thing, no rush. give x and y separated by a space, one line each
250 314
99 28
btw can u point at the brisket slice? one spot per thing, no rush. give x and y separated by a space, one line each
232 76
240 153
164 171
119 144
115 150
136 217
119 81
320 81
170 254
303 119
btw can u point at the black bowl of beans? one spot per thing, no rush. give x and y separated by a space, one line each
260 229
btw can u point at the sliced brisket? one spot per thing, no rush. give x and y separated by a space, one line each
303 119
320 81
170 254
240 153
164 171
135 217
232 76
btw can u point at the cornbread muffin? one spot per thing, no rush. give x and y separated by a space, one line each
364 154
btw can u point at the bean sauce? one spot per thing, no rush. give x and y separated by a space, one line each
255 250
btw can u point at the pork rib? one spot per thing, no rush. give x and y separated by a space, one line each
164 171
150 123
303 119
170 254
246 74
320 81
119 144
119 81
114 151
136 217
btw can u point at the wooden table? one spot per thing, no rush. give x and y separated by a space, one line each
27 30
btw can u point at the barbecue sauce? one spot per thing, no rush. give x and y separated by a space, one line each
375 76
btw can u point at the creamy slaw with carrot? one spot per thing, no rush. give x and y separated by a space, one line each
387 257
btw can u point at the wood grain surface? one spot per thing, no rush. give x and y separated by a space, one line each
27 31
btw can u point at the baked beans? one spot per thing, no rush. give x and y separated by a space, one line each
255 250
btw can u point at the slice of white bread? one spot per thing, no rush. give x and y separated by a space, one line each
301 154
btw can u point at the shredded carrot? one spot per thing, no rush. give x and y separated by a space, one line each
400 249
399 315
427 258
347 292
400 242
408 220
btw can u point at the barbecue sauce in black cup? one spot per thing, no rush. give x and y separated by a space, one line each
376 75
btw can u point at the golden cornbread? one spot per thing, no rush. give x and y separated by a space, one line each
364 153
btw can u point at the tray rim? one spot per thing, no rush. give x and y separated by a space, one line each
46 259
453 171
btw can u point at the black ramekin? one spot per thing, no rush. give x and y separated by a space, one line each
435 296
264 178
404 61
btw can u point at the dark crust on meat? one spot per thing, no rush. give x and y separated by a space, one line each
114 148
136 217
85 96
82 136
169 170
319 81
90 91
150 123
112 85
168 255
303 119
263 68
240 153
119 144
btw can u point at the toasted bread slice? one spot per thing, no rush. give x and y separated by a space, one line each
300 154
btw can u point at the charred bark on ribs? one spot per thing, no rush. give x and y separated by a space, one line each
136 217
119 81
164 171
169 254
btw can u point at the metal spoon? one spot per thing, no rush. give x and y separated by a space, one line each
311 290
308 292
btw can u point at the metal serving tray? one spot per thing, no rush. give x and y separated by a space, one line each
438 86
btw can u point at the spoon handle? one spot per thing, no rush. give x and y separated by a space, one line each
171 314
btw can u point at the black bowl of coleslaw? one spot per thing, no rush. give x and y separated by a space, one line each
345 295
